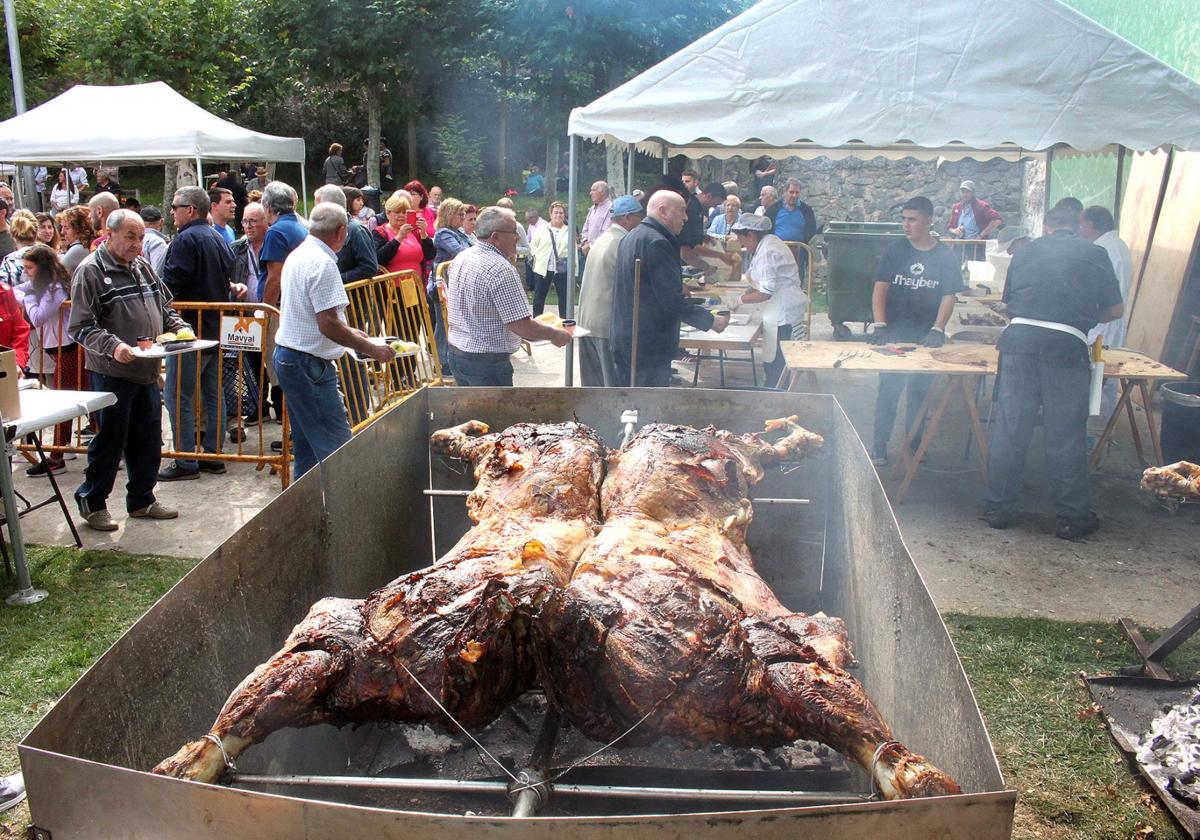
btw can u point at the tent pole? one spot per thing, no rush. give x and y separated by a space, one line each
665 158
304 189
632 167
569 373
1120 181
199 173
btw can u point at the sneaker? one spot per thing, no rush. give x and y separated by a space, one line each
99 520
12 791
276 446
46 468
214 467
237 435
998 519
177 473
252 420
154 510
1073 529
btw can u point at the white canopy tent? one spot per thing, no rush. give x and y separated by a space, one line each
908 78
148 123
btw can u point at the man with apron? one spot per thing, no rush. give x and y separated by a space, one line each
1058 288
775 278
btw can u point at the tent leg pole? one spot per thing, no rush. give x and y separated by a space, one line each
666 158
304 189
199 173
572 244
632 167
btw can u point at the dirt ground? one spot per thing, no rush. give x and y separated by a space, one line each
1142 563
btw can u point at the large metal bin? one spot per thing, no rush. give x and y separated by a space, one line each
853 250
362 519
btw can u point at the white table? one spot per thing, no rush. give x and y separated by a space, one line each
737 337
39 409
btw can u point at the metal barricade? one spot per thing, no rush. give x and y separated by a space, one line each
967 249
392 305
243 352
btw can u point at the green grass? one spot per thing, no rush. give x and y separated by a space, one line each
1072 781
94 597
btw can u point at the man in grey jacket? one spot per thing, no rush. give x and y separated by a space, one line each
116 298
596 367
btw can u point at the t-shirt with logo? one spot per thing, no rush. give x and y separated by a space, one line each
917 282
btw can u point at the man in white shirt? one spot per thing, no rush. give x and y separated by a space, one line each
596 368
775 277
313 334
1097 226
599 216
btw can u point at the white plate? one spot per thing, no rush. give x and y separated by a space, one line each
738 320
157 351
383 341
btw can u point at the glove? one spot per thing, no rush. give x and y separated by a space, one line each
877 333
936 338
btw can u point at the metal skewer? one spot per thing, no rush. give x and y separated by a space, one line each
761 501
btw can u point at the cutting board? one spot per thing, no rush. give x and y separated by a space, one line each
1169 260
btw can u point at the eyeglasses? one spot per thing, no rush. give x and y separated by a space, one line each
181 206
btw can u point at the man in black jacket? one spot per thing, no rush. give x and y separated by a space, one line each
198 268
661 301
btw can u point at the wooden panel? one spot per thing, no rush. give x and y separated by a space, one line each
1139 211
1170 258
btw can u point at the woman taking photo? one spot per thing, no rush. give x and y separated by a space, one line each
549 250
77 234
46 285
400 246
421 196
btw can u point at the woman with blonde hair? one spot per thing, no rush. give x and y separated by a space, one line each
399 245
334 167
450 240
549 251
24 227
75 224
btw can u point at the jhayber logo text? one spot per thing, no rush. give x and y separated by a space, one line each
917 280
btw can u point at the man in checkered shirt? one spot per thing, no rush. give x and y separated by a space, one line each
487 308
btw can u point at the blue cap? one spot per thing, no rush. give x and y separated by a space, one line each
627 204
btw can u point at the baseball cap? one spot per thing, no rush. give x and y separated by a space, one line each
627 204
967 185
150 213
751 223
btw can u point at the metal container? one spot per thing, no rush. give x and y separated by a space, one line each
854 249
362 518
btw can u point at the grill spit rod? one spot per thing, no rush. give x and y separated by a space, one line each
560 789
755 501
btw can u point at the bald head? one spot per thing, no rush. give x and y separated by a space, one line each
669 208
102 205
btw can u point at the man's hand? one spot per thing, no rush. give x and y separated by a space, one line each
123 353
585 247
935 338
877 333
237 291
560 338
381 353
720 322
958 231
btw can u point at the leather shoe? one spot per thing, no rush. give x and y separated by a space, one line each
177 473
155 510
214 467
998 519
1073 529
99 520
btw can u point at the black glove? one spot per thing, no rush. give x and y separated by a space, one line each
877 333
936 338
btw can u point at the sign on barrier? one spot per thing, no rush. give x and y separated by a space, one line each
242 332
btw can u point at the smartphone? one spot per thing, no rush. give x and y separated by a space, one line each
410 218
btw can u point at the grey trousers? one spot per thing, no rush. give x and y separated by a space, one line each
1059 386
891 386
596 368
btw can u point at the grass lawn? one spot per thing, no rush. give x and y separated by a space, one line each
1073 785
94 597
1072 781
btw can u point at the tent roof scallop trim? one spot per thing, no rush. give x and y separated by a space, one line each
146 122
831 73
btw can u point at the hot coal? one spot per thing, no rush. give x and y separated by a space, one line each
1170 750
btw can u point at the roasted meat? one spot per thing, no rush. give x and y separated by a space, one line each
667 629
1180 480
461 627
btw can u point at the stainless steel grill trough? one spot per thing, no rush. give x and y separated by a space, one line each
365 517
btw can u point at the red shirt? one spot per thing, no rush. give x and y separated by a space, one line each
14 329
409 255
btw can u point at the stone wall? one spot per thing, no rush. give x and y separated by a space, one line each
873 190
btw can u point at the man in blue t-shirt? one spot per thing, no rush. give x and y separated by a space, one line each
915 285
793 220
286 231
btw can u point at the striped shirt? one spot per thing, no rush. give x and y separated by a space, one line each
485 295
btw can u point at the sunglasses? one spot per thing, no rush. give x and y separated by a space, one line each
181 206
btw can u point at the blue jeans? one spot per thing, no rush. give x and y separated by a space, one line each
318 417
182 369
481 369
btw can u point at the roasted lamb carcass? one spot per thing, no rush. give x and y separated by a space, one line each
666 627
1180 480
461 626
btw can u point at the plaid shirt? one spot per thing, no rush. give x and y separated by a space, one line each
485 294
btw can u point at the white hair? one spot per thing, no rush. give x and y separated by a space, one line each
331 193
326 218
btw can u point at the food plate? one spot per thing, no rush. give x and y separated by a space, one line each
385 340
580 332
738 320
173 348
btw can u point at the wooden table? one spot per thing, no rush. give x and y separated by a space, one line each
738 337
956 366
953 377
